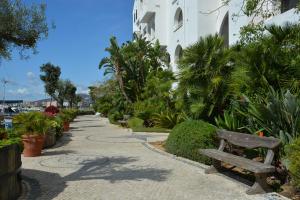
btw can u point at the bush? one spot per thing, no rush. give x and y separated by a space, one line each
293 157
135 122
229 121
11 137
52 109
85 112
168 119
32 123
276 115
114 117
3 134
69 114
186 138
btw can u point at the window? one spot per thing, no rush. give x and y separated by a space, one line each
288 4
178 19
224 30
178 53
135 16
152 27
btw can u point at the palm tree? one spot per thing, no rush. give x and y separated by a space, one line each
272 59
203 71
115 64
131 63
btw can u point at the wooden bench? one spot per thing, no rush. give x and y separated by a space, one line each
260 170
124 121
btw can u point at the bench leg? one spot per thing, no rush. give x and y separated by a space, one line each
214 168
260 186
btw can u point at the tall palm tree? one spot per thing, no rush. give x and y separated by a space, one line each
115 64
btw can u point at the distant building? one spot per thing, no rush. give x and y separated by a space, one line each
11 102
177 24
43 103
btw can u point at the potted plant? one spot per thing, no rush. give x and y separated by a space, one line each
3 134
66 118
32 127
10 165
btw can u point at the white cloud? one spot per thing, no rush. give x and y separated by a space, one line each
19 92
22 91
82 89
30 75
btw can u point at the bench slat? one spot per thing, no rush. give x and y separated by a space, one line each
247 140
253 166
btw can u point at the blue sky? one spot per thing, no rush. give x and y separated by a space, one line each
83 29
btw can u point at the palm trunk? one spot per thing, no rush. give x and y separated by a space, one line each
121 84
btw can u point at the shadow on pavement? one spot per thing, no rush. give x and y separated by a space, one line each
46 186
58 152
62 141
91 126
112 169
43 185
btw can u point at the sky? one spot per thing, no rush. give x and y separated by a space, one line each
76 44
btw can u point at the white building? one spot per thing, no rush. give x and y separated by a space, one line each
180 23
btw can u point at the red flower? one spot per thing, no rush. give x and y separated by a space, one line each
52 110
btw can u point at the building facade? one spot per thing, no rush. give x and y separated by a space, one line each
177 24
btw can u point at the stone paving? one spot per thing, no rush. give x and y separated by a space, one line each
96 160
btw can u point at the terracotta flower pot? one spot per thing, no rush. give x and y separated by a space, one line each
66 126
33 145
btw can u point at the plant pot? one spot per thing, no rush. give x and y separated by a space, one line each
10 172
33 145
66 126
50 139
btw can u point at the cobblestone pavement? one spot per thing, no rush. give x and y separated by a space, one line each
96 160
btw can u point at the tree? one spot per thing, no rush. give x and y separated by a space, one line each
131 63
70 91
106 97
20 26
60 93
272 59
77 100
65 92
50 77
203 71
115 64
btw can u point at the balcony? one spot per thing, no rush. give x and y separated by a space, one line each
147 11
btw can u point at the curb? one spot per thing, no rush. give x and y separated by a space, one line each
181 159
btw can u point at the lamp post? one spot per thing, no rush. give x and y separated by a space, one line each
4 87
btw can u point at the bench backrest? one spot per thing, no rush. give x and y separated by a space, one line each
247 140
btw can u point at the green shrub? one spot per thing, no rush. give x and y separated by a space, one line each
114 117
58 126
11 137
3 134
186 138
229 121
293 158
32 123
68 114
276 115
168 119
135 122
85 112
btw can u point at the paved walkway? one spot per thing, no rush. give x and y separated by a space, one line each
101 161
